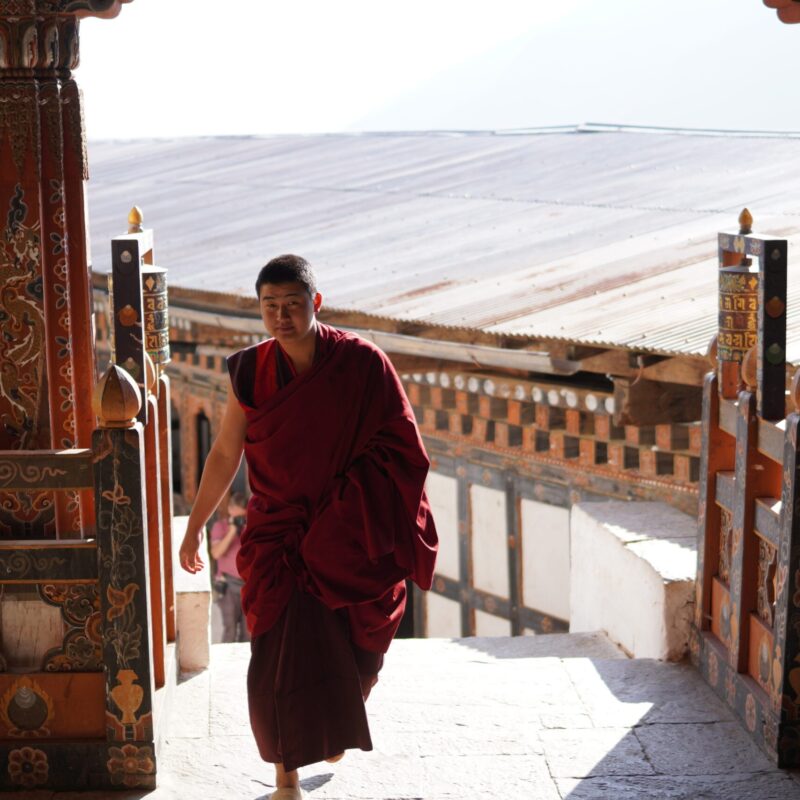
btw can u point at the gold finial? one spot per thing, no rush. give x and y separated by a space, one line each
711 352
135 219
750 369
745 222
116 400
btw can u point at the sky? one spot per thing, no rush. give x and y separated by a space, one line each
167 68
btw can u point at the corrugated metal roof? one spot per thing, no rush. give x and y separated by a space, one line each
606 237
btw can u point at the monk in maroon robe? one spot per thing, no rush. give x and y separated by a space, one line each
337 522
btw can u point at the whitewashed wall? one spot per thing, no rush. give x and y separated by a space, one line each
489 540
530 537
545 557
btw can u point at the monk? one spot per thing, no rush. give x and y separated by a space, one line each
337 522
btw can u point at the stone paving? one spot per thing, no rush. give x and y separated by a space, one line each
530 718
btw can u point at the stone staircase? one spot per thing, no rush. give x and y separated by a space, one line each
527 718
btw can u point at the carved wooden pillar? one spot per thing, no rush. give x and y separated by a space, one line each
47 348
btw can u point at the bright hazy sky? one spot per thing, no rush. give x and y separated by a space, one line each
186 68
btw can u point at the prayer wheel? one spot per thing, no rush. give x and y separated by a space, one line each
155 312
738 322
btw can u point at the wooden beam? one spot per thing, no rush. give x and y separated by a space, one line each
681 370
644 402
46 469
38 560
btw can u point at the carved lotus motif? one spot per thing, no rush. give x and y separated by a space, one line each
28 767
131 765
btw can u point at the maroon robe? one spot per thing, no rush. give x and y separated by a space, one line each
337 522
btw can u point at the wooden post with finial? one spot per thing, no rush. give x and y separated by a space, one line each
165 454
124 574
717 455
152 488
743 642
156 415
771 360
738 306
785 672
127 313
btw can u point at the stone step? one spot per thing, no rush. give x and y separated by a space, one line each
533 718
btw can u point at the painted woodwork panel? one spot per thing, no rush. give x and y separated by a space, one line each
29 629
56 293
756 476
545 557
23 407
51 469
32 561
718 454
81 320
488 538
751 676
165 463
44 705
726 489
742 694
720 612
759 658
125 580
152 488
727 415
443 495
770 439
786 657
771 361
84 764
128 319
768 519
53 627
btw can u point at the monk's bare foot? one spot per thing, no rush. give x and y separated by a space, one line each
334 759
293 793
286 780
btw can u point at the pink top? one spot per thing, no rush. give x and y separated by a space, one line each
225 563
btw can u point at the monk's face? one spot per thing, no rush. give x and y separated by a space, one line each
288 311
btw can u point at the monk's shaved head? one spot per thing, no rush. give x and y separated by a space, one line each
287 269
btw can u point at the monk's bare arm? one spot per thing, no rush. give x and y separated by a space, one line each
218 474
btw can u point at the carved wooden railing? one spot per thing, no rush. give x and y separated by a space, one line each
80 714
746 637
140 317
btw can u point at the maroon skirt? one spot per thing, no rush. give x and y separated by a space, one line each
306 686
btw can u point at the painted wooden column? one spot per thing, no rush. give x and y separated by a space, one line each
47 351
124 572
785 668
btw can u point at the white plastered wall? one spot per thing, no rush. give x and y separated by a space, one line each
489 540
443 496
633 572
545 557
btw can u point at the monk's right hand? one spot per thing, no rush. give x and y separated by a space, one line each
190 551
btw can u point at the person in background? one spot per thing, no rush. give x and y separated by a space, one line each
224 540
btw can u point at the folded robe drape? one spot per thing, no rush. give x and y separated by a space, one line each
339 512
